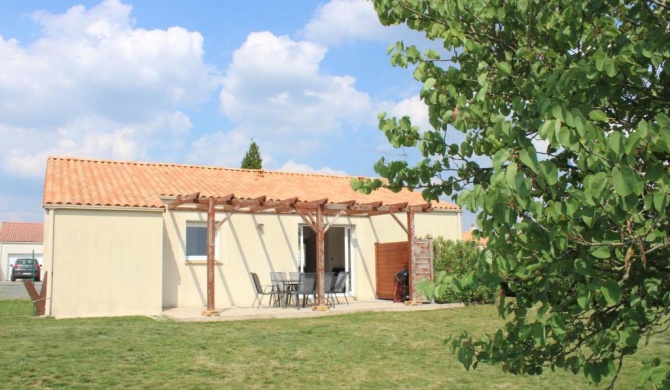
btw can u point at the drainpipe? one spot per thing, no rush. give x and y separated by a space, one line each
52 227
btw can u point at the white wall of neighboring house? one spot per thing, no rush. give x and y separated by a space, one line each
10 252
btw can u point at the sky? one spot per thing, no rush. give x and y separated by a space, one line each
195 82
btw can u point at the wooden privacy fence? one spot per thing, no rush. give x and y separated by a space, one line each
391 257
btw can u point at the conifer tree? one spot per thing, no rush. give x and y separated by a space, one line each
252 160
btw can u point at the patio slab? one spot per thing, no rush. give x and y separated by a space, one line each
236 313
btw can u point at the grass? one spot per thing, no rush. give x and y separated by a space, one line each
365 350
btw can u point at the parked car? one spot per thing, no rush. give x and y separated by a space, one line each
26 269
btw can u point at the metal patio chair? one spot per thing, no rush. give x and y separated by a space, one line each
261 290
278 280
328 287
340 286
306 286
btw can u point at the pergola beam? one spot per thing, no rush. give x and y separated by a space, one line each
313 205
277 204
248 202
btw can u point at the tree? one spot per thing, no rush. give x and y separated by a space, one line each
252 160
566 159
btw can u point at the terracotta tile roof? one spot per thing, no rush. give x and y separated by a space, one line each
73 181
22 232
467 236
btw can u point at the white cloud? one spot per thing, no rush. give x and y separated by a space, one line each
413 107
292 166
94 61
275 86
93 85
221 148
345 21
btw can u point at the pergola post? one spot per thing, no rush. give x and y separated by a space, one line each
320 255
211 239
411 239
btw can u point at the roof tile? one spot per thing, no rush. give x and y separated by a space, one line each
73 181
22 232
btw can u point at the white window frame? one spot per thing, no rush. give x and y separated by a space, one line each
200 258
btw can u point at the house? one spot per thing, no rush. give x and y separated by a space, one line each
130 238
19 240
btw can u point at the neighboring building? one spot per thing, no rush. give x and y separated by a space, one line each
115 247
19 240
467 236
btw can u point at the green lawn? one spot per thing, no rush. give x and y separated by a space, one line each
364 350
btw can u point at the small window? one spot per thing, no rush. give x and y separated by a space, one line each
196 241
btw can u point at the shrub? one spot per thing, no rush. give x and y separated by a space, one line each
454 260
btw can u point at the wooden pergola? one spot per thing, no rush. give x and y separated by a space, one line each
314 214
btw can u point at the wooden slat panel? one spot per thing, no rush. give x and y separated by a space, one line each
390 258
423 263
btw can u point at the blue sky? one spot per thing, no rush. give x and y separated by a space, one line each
194 82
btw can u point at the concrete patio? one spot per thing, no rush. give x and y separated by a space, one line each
194 314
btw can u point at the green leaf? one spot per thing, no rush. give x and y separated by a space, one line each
547 129
615 142
557 324
645 372
583 267
598 115
432 54
529 158
510 175
600 62
500 158
601 252
663 120
629 337
660 201
626 181
611 292
505 67
592 372
658 374
583 297
482 77
429 83
549 172
610 67
523 5
557 112
595 184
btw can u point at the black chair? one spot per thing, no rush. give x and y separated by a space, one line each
261 290
340 286
306 286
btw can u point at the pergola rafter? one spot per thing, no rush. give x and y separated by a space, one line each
313 214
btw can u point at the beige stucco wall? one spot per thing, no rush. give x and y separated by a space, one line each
8 249
103 262
245 248
109 262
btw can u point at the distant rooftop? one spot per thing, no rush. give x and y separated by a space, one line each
22 232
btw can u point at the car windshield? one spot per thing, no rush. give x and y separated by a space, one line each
25 261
